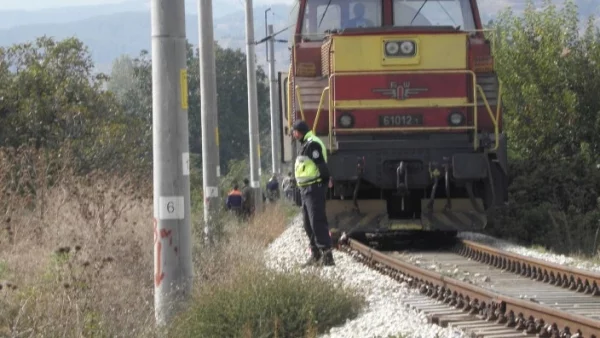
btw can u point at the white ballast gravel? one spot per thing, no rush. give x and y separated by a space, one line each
385 314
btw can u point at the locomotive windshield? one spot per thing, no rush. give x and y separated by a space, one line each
456 13
321 16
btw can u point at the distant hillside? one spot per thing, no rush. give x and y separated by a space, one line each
112 30
111 35
9 19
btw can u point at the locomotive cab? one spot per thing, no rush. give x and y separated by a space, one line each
405 96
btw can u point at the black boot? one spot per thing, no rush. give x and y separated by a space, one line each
314 259
328 257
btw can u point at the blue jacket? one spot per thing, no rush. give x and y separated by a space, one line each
234 200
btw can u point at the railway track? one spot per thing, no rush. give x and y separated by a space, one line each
491 293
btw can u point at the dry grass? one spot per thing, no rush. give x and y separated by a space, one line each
75 258
242 245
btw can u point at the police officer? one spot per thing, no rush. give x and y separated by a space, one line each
312 177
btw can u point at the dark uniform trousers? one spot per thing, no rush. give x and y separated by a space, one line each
315 218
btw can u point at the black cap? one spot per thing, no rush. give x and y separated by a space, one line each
301 126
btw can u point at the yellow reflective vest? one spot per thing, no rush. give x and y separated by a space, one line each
307 172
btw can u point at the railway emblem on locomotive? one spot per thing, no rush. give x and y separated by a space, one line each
399 92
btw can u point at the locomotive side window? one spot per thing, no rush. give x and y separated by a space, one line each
455 13
323 15
320 17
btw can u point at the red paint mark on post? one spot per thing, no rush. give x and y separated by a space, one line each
164 233
158 274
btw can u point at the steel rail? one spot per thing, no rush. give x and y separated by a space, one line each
575 279
517 313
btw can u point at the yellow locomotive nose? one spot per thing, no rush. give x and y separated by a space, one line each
402 82
393 52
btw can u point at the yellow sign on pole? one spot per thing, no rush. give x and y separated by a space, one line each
184 88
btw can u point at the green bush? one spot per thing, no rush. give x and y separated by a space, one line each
547 59
262 303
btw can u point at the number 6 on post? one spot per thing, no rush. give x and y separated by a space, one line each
171 207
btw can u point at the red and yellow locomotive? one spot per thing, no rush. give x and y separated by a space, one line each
405 96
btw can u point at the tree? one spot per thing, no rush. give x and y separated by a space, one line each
49 98
131 82
551 79
122 78
232 102
51 93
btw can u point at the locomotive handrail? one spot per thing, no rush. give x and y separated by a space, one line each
476 88
474 105
498 106
326 89
494 118
289 97
299 101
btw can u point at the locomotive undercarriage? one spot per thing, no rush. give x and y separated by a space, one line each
433 183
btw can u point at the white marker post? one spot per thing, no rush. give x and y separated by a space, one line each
172 232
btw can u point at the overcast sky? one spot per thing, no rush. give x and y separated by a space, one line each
39 4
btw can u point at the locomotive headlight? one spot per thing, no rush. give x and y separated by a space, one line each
346 120
392 48
400 48
456 119
407 47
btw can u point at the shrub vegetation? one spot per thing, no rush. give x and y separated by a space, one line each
549 63
260 303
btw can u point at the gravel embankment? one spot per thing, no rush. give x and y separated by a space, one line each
521 250
386 313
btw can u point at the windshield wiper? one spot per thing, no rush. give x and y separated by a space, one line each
419 11
448 14
323 16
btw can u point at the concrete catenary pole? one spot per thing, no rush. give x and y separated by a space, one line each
275 114
172 231
210 121
252 107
